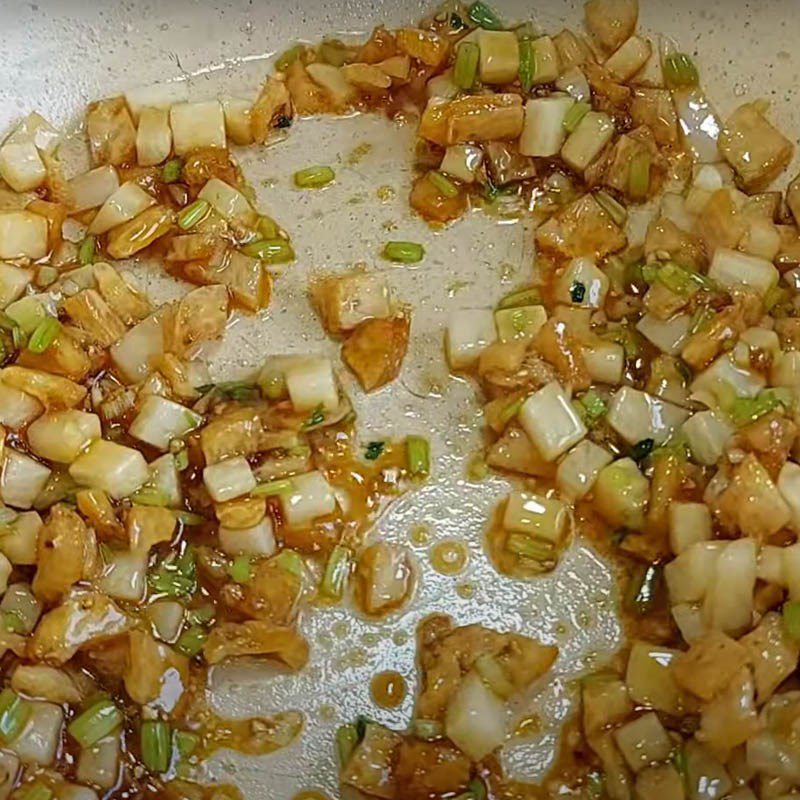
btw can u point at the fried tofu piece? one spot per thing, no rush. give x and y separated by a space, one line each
474 118
376 349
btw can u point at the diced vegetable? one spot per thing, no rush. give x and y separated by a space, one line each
22 479
22 235
637 416
689 523
17 409
590 136
153 137
462 161
21 166
257 540
730 269
499 57
582 284
124 204
93 188
95 723
475 118
229 479
484 16
156 744
13 281
579 469
631 56
418 456
311 496
522 322
312 385
643 742
475 718
541 517
404 252
468 333
238 126
551 422
650 681
39 740
196 125
728 603
62 435
159 421
314 177
611 22
621 494
544 131
109 466
337 571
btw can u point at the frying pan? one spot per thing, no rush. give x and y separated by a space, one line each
55 55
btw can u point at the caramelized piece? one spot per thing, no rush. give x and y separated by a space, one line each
272 104
256 638
376 349
112 135
477 118
428 200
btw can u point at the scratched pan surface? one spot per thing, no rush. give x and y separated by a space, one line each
55 55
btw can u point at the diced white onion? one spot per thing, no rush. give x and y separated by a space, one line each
706 777
22 235
197 125
124 575
629 58
579 469
311 496
126 203
18 542
728 604
159 421
13 282
770 567
227 201
93 188
99 764
689 576
700 125
39 739
117 470
535 515
331 79
229 479
551 422
574 83
21 166
636 416
545 56
469 331
165 478
475 720
22 479
311 384
789 487
237 120
785 370
159 95
621 494
441 87
707 435
62 435
9 773
643 742
523 322
134 353
762 239
20 600
167 619
689 523
593 133
462 161
35 128
17 409
689 619
153 137
649 678
499 56
72 791
543 132
731 268
258 540
605 362
667 335
673 208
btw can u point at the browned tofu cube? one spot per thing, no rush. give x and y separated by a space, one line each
654 108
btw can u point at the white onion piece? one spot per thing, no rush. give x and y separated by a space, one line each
35 128
72 791
13 282
621 494
689 619
112 467
786 370
731 269
159 95
578 471
728 604
462 161
165 478
690 574
153 137
574 83
605 362
167 619
689 523
20 600
706 778
441 88
632 55
237 120
258 540
535 515
99 764
499 56
594 281
699 124
667 335
229 479
22 235
331 79
17 409
93 188
311 497
468 332
9 771
124 576
745 382
133 354
197 125
159 421
708 435
311 384
126 203
789 487
551 422
21 166
18 542
543 132
39 739
649 678
584 144
636 416
475 720
230 203
62 435
643 742
22 479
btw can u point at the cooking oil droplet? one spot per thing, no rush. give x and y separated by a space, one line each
400 638
340 629
419 535
388 689
449 557
370 639
386 193
528 726
327 712
466 591
357 658
311 794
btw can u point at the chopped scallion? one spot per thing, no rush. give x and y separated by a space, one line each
639 176
181 460
680 70
526 546
317 417
156 745
574 116
478 789
484 17
190 519
466 67
511 411
346 743
314 177
191 641
791 619
150 496
175 577
527 64
13 622
282 486
97 721
171 171
271 251
291 561
192 214
744 410
34 791
14 714
44 335
615 210
374 450
594 407
336 572
404 252
268 228
444 185
200 615
242 391
185 743
418 454
86 251
241 570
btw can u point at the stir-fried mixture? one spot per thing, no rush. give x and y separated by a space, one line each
641 391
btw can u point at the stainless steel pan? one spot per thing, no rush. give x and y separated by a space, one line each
55 55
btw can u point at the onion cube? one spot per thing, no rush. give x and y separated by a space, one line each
13 282
23 235
789 487
312 385
582 284
636 416
61 435
543 133
551 422
197 125
578 471
542 517
159 421
21 166
126 203
311 497
707 435
731 269
258 540
117 470
468 332
93 188
229 479
22 479
17 408
689 523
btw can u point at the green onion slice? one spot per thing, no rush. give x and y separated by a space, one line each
156 745
44 335
336 572
314 177
192 214
404 252
283 486
615 210
96 722
444 185
241 569
528 547
14 714
272 251
418 453
465 70
680 70
86 251
291 561
171 171
639 176
574 116
522 297
484 17
185 743
527 64
191 641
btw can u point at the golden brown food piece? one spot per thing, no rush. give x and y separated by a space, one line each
370 768
515 452
65 357
271 595
386 578
367 77
478 118
85 618
272 103
129 238
90 311
772 439
573 51
709 664
205 163
154 672
96 507
608 94
721 224
425 46
447 654
431 769
703 346
45 683
308 97
199 316
582 228
773 653
112 134
52 391
664 236
665 486
256 638
626 149
612 22
380 46
560 346
66 553
343 301
376 349
435 206
127 303
147 526
756 149
655 109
